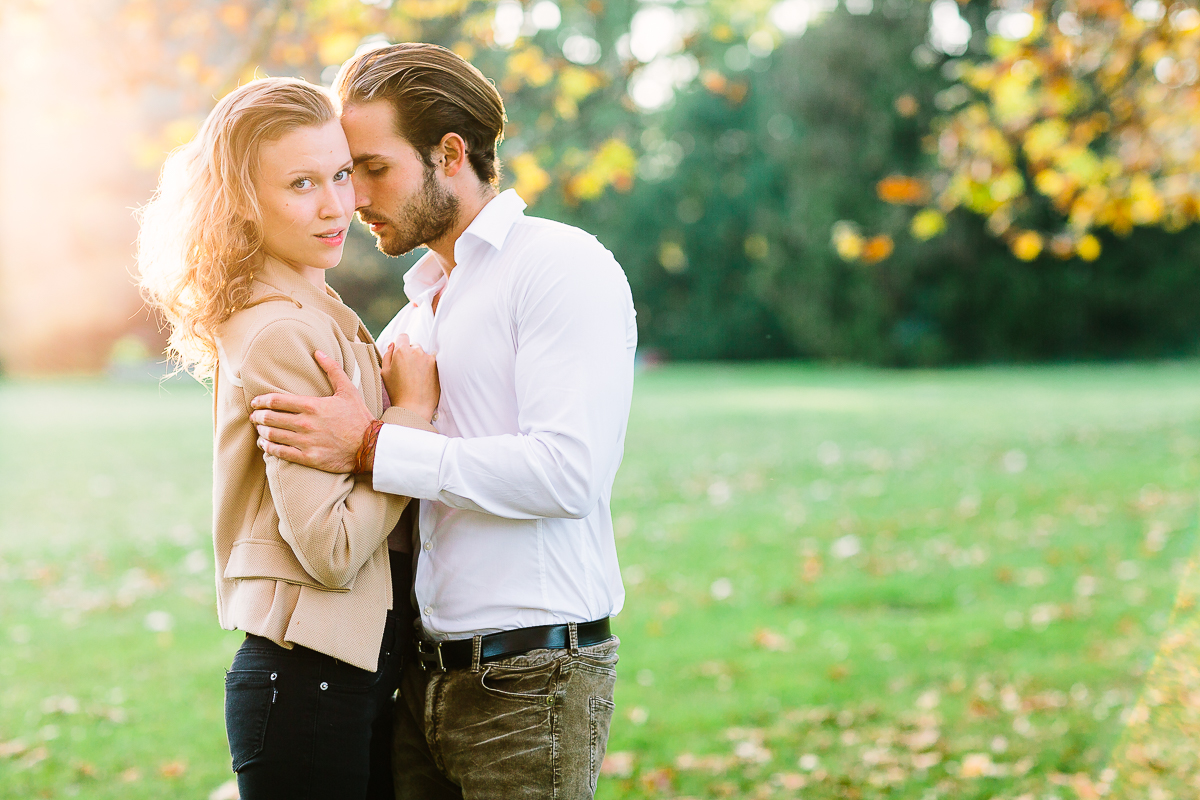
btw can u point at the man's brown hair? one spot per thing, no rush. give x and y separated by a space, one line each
433 91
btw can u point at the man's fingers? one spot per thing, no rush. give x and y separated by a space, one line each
338 378
282 451
402 340
276 419
278 436
276 401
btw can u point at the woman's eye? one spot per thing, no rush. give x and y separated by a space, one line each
342 175
302 183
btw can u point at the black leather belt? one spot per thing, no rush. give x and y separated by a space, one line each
457 653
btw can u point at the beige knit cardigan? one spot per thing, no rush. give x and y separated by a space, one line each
301 554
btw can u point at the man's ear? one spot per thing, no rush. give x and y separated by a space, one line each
452 154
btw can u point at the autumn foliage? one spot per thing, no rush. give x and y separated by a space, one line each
1086 120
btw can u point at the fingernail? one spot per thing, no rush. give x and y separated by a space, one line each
322 355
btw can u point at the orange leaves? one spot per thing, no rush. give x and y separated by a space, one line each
851 245
902 190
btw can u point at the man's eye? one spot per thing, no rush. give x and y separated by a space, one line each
376 169
302 183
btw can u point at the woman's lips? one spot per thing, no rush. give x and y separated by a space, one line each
333 238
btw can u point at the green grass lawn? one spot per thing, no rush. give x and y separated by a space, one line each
842 583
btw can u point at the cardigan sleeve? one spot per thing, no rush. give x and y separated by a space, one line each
332 522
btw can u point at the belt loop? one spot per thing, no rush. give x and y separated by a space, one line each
573 634
476 652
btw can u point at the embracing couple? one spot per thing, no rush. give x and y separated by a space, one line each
383 519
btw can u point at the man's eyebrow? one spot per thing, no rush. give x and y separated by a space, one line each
368 157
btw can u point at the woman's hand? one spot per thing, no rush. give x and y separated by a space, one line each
411 377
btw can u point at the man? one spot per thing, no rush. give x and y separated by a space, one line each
510 693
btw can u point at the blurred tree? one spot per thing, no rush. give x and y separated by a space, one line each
1080 116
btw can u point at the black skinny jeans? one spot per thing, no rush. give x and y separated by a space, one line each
302 724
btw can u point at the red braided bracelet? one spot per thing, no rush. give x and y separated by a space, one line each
364 459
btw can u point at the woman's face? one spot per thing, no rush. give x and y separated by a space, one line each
306 197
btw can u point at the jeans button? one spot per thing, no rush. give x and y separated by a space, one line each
324 686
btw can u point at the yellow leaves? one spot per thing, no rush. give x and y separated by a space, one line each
672 257
612 164
847 241
528 67
850 245
1006 186
1146 206
336 46
1044 138
575 84
927 224
531 179
1088 248
902 190
1027 245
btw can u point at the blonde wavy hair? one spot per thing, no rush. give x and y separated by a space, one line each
201 234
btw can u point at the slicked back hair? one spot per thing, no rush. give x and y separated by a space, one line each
432 91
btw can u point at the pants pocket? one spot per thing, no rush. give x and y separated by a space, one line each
249 695
600 712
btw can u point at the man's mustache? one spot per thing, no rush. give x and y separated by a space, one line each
370 219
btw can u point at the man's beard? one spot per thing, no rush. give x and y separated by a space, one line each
425 218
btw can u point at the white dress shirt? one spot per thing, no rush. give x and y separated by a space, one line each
534 335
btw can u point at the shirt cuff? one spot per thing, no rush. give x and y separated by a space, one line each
407 462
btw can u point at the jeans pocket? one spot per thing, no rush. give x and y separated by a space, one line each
600 712
535 684
249 695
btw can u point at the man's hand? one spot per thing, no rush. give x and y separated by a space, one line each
319 432
411 377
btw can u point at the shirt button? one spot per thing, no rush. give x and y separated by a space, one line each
428 546
324 686
428 610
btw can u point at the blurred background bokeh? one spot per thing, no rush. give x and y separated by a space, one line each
851 573
894 182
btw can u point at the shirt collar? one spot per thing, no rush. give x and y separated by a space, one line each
491 225
277 278
494 220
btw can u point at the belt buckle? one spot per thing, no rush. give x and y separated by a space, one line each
437 650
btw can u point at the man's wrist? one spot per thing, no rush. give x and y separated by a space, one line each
364 459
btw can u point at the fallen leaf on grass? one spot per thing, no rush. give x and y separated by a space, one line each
926 760
657 780
977 765
710 763
13 748
790 781
172 769
617 764
35 756
131 775
770 640
226 791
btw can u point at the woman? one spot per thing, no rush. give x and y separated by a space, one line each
232 252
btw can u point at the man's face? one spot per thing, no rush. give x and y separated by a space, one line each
399 197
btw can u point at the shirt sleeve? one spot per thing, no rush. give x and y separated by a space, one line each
333 522
575 338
